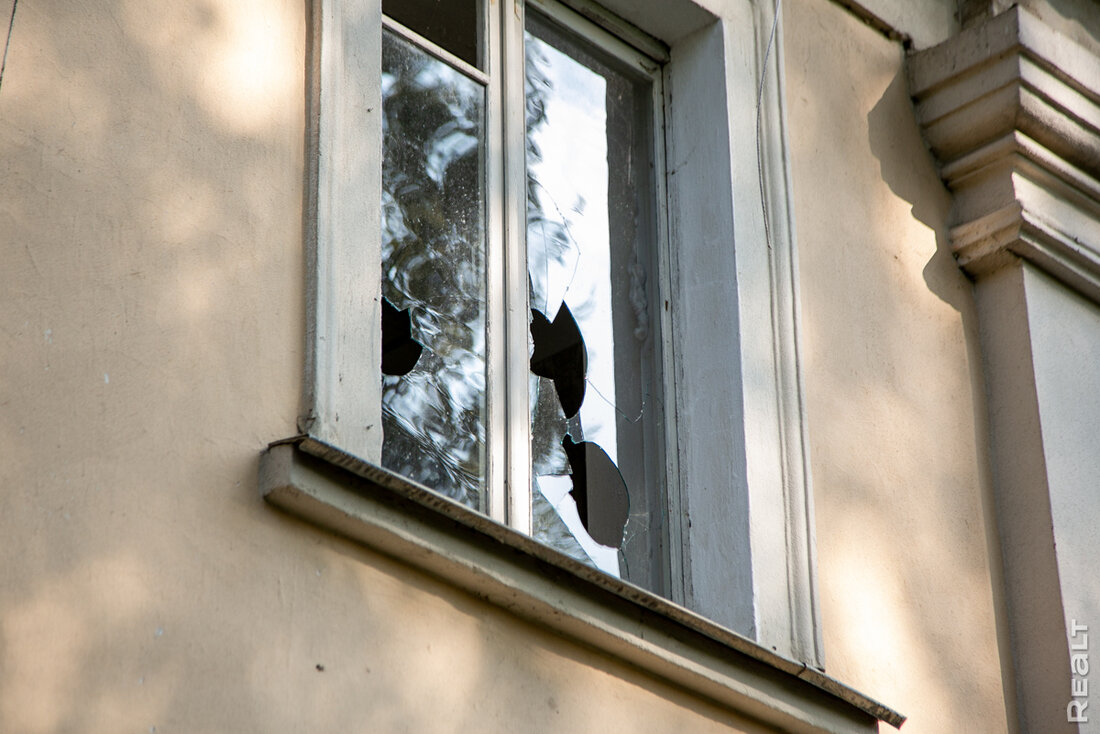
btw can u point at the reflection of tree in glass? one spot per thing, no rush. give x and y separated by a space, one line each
433 265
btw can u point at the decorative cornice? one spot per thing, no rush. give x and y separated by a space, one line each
1011 111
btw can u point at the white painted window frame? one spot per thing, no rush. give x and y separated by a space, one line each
741 500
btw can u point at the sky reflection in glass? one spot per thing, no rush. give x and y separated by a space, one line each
569 262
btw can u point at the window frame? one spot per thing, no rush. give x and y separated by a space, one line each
649 67
752 572
509 490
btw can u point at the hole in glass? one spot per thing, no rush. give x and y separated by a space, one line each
597 451
433 270
559 355
400 351
603 502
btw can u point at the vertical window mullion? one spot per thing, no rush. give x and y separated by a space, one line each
675 572
498 380
518 318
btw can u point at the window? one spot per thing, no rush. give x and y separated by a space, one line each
725 516
592 479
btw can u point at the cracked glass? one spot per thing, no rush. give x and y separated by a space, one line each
433 273
597 451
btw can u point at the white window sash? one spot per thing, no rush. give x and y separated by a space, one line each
761 581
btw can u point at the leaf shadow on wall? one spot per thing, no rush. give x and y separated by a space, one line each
894 133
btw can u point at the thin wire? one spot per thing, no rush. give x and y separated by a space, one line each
759 140
7 43
571 244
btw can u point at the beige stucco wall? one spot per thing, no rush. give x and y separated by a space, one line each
924 22
151 327
1078 20
907 557
151 331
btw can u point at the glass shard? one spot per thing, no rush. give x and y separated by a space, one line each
548 525
558 524
433 268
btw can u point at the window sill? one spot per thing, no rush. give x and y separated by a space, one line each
387 513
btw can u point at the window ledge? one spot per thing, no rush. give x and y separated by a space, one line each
399 518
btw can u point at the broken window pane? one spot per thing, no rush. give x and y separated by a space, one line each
433 272
597 452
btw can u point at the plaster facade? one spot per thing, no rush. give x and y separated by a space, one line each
153 341
896 398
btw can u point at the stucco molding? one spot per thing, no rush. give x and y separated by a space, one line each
1011 111
391 515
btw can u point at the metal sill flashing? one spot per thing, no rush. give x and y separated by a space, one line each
383 511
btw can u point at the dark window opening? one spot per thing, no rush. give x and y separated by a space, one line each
454 25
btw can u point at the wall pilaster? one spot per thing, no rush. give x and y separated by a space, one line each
1010 108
